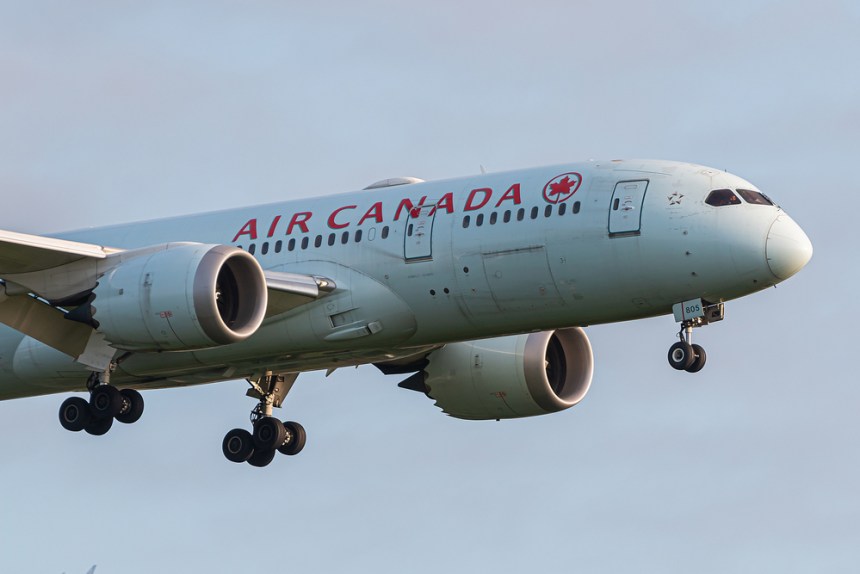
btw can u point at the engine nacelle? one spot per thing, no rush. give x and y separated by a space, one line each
180 297
511 377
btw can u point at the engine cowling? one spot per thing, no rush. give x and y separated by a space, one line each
179 297
511 377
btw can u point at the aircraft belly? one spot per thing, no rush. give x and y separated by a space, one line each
30 368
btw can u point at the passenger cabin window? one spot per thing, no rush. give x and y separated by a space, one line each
754 197
720 197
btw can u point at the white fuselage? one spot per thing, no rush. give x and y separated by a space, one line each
423 264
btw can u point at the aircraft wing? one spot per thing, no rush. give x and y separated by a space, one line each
290 290
22 253
29 264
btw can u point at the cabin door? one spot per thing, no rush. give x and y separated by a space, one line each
625 208
418 239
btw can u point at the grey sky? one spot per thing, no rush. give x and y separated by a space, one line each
119 111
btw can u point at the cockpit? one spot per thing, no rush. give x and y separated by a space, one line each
721 197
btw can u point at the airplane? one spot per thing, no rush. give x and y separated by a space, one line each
475 289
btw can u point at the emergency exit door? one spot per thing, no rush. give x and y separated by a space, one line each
625 208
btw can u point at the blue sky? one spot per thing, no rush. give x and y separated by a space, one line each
119 111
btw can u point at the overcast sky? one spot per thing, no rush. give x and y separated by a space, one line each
119 111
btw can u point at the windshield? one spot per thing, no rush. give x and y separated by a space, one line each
720 197
754 197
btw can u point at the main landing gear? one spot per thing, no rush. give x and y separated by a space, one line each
686 355
106 404
270 435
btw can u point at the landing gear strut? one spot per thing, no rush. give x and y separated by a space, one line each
106 403
270 435
686 355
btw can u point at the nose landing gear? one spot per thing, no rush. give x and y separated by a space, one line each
269 435
686 355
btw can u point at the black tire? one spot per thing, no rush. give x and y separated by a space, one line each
269 434
75 414
132 406
238 445
681 356
296 438
99 426
105 401
699 361
262 458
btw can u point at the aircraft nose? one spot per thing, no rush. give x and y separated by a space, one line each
788 248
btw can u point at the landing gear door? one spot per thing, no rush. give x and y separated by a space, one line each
625 208
418 239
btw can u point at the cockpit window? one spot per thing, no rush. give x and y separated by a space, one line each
720 197
754 197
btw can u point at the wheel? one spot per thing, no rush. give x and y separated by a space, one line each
238 445
75 414
681 356
262 457
269 434
699 361
99 426
132 406
296 437
105 401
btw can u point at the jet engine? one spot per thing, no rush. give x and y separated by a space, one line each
511 377
178 297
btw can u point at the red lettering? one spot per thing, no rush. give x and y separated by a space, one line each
375 213
487 193
331 221
273 226
513 194
299 219
249 229
408 206
446 202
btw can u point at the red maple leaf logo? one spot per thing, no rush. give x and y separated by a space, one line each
561 187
